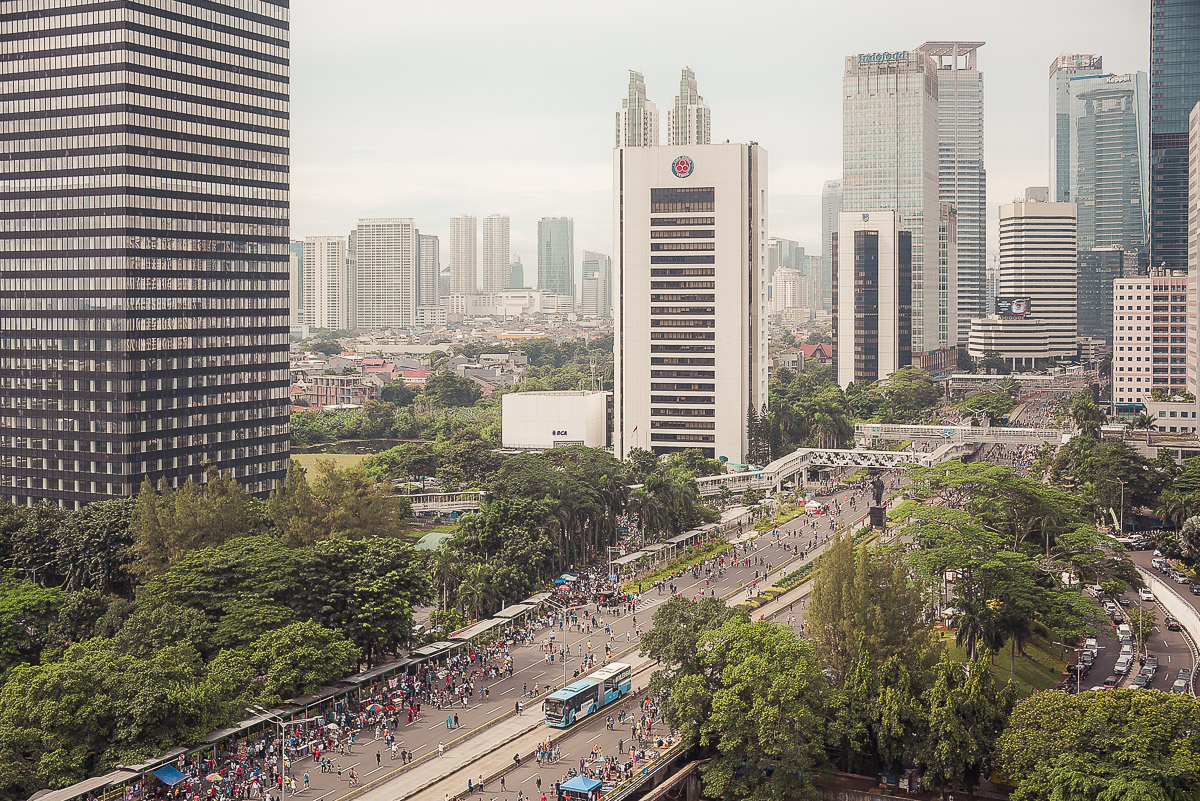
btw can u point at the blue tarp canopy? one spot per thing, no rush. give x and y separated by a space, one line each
170 776
566 577
582 784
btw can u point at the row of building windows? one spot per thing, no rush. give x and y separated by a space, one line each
232 189
133 118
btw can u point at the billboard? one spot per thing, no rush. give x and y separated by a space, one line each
1012 307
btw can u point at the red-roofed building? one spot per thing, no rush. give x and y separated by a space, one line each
416 377
802 356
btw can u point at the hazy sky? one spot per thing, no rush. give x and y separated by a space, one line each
412 108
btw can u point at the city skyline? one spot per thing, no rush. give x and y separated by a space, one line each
442 169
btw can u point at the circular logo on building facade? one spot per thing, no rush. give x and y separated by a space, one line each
682 166
866 217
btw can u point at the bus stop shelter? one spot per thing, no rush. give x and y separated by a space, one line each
580 788
482 627
516 612
626 563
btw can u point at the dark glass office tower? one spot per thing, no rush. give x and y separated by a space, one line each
143 245
1174 91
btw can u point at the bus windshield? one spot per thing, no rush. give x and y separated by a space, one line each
554 709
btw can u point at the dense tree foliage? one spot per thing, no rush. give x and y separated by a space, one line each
1007 540
754 699
170 523
808 408
237 601
1119 745
340 504
420 420
90 548
447 389
864 603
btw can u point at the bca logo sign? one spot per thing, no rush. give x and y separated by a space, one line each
682 166
558 433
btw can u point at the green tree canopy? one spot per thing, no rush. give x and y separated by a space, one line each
1119 745
755 700
448 389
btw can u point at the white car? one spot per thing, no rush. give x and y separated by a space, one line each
1145 594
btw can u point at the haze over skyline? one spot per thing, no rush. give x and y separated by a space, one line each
388 121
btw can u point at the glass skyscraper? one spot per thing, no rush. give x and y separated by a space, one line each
556 255
1062 70
831 207
890 161
962 180
144 276
1109 174
1099 142
1175 90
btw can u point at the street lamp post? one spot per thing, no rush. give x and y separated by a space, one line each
258 710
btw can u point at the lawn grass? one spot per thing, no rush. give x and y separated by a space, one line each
342 460
1040 668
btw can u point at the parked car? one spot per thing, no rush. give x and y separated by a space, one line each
1090 644
1094 590
1122 666
1182 578
1145 594
1140 681
1172 624
1086 658
1196 588
1110 682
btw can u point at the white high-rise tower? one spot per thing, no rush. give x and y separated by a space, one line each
386 252
325 298
637 120
690 341
464 254
689 122
495 253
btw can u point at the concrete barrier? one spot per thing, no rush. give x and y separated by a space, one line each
1177 607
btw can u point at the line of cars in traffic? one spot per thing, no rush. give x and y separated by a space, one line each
1127 658
1174 574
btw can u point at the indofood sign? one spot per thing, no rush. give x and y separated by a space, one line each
875 58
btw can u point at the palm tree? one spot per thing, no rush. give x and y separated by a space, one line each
444 567
473 592
1175 507
974 622
1087 417
790 423
1143 421
830 426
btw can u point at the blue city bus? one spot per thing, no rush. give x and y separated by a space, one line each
615 680
587 696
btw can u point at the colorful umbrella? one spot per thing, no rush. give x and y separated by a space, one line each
375 708
213 777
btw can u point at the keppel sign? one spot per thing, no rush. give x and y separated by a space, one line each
872 58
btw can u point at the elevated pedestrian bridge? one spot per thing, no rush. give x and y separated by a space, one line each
794 466
445 502
866 434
